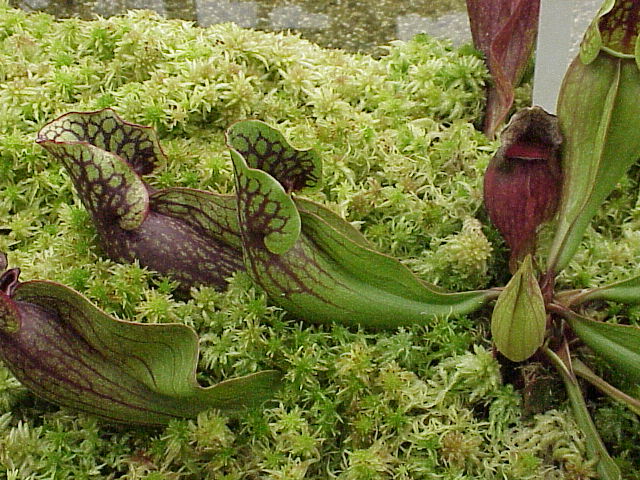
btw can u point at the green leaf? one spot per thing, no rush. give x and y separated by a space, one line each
626 291
71 353
313 263
519 318
334 221
386 288
599 113
618 344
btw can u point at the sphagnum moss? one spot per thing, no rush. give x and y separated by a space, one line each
402 160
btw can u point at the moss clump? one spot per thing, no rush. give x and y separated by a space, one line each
403 161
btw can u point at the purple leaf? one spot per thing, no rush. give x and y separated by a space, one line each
190 235
505 31
69 352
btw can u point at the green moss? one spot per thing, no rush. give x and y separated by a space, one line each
403 161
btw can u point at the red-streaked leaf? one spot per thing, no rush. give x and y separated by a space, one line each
191 235
208 212
310 261
69 352
264 148
136 144
614 30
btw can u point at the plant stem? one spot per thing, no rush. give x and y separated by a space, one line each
559 309
585 372
569 298
606 467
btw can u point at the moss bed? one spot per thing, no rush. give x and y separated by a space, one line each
403 160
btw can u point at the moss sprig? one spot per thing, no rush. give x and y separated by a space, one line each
403 162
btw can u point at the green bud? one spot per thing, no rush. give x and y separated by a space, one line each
519 318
